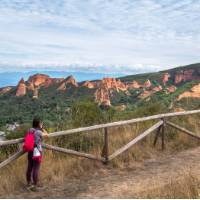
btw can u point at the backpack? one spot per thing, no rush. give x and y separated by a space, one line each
28 141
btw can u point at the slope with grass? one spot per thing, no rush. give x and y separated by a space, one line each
127 176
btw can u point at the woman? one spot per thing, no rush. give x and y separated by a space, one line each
34 161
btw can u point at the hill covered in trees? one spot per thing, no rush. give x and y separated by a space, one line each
61 101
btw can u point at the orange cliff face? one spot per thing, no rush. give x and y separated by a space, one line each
38 80
171 89
134 85
186 75
105 87
194 93
70 80
21 88
165 78
35 93
102 96
112 83
157 88
51 81
148 93
147 84
88 84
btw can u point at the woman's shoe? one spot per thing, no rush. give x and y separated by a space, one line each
29 186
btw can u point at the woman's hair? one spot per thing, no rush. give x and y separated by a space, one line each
36 122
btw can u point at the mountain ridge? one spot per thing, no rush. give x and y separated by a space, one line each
53 98
168 79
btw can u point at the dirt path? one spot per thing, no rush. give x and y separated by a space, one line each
123 183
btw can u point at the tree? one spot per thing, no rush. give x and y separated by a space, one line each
86 114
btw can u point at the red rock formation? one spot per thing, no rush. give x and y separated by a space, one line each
148 93
145 94
147 84
102 96
165 78
30 86
178 78
68 81
35 93
106 87
71 80
157 88
121 86
4 90
97 83
21 88
112 83
38 79
88 84
134 85
186 75
62 86
194 93
171 89
52 81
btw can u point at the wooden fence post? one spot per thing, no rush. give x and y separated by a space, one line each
105 147
156 136
163 134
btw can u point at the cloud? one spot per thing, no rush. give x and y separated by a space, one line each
123 35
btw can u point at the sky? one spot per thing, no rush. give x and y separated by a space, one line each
112 36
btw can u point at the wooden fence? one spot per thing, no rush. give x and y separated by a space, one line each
160 127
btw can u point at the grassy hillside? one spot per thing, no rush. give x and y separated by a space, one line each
157 75
57 167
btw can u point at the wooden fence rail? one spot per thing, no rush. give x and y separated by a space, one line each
72 152
135 140
105 158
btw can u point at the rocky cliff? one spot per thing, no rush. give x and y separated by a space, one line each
171 88
194 93
102 96
165 78
39 80
21 88
134 87
105 89
186 75
147 84
89 84
70 80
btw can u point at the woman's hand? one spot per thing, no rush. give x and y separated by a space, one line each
44 133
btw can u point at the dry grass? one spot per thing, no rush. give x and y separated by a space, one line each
57 166
185 187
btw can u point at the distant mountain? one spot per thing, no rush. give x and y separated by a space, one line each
47 95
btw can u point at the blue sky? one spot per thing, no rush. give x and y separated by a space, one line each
122 36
